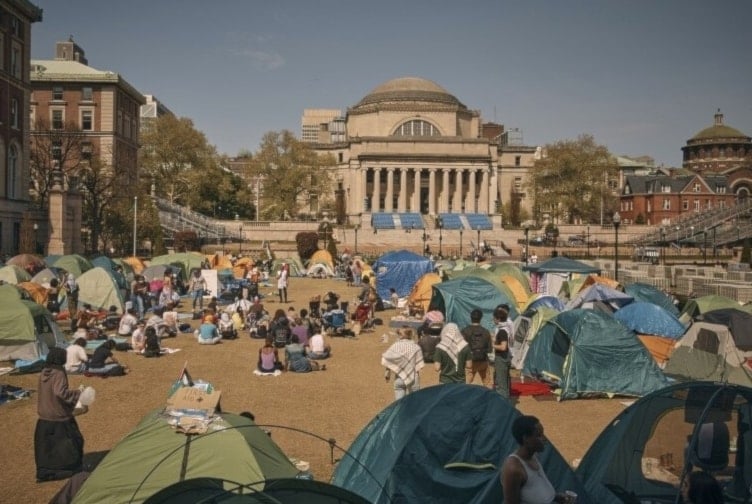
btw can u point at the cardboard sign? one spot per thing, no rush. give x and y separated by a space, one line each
193 401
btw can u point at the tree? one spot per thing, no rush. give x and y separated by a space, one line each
571 180
50 147
171 148
293 175
219 193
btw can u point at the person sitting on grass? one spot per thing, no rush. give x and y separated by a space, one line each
238 319
151 343
226 327
138 338
76 357
318 348
268 358
296 361
207 332
170 317
127 323
301 330
104 363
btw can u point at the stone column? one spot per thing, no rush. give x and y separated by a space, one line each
402 198
470 206
444 194
57 215
389 199
416 192
432 191
483 205
376 203
457 201
363 189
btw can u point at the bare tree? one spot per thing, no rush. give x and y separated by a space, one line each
64 147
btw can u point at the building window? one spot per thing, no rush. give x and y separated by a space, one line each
667 204
57 150
57 119
665 188
86 151
417 127
15 62
12 173
57 93
120 122
14 113
721 204
87 94
650 206
720 189
340 157
87 120
518 184
696 187
685 205
697 205
517 160
16 27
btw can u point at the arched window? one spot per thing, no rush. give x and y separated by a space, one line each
11 180
416 127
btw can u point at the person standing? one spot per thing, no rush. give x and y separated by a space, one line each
71 293
197 286
479 340
522 475
502 350
451 354
282 280
405 360
58 443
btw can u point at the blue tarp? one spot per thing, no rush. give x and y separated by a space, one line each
443 444
647 318
399 270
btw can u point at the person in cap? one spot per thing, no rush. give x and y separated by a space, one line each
58 443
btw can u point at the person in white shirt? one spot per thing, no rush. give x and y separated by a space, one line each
138 338
76 357
318 348
127 323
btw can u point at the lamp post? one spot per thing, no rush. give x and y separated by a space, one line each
527 242
240 247
36 238
460 243
440 223
479 251
587 242
356 228
705 246
616 219
135 223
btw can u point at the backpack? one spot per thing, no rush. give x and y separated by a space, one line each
478 342
282 336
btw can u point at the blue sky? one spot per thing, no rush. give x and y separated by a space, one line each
641 76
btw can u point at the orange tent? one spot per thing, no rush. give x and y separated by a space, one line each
422 290
135 263
222 262
659 347
36 291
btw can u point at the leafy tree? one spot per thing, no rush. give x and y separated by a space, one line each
307 244
171 148
219 193
292 175
571 179
118 225
50 147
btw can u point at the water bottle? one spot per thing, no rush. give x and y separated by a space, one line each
87 396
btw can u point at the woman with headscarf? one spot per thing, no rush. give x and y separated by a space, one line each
405 359
58 443
451 354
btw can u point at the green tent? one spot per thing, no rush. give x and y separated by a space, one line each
489 276
99 289
186 260
9 292
12 274
700 305
27 330
296 267
457 298
73 263
153 456
526 326
509 269
589 353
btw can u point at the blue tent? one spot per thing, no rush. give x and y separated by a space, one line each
645 292
600 294
647 318
399 270
545 300
442 444
457 298
589 353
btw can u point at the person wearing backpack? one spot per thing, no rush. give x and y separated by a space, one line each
502 350
479 340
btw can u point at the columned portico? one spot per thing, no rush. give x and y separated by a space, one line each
432 191
444 203
376 203
415 206
402 198
389 200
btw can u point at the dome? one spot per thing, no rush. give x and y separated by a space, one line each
718 130
409 89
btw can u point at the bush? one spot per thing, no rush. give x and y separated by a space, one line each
184 241
307 243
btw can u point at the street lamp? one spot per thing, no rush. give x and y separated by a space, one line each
527 242
587 242
616 219
440 223
36 238
135 223
477 228
460 243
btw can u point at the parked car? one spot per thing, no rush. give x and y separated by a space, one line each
576 241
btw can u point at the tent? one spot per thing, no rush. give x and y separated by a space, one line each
700 305
457 298
547 277
422 290
490 277
276 491
537 300
136 264
13 274
399 270
28 262
707 352
11 292
587 353
640 456
509 269
600 296
570 288
27 330
526 326
296 268
73 263
442 444
186 260
739 323
650 294
37 292
519 291
322 256
97 288
647 318
47 274
157 271
233 449
320 270
111 267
